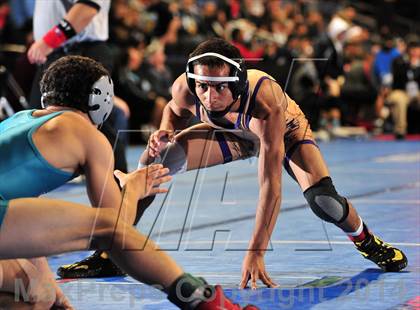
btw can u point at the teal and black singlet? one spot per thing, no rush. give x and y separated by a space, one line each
24 172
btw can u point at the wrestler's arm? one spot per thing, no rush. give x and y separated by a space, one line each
271 133
97 163
179 110
177 115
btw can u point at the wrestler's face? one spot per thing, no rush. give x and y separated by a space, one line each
215 96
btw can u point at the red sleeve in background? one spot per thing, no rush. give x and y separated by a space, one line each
247 53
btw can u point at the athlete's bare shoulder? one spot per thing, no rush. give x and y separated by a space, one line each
181 94
68 122
69 128
270 96
64 140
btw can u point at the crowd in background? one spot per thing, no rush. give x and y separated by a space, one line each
344 65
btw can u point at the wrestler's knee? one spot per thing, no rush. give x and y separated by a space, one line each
326 203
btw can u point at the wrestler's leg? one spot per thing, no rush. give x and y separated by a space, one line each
202 146
309 168
74 227
310 171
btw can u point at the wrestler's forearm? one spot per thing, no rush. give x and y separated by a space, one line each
269 177
171 121
130 197
265 219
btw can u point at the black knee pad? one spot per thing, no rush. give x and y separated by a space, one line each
326 203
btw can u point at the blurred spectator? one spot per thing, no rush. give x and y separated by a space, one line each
213 19
329 51
405 89
254 11
137 90
304 82
251 52
125 24
315 23
21 12
156 71
358 91
4 16
272 31
192 26
166 23
383 61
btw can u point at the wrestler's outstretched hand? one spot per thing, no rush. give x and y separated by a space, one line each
146 180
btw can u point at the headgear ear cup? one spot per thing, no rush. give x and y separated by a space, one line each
238 88
101 100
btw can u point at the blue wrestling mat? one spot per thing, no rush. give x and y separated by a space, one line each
206 219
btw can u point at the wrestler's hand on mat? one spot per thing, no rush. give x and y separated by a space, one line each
253 268
145 180
61 301
38 52
158 140
44 293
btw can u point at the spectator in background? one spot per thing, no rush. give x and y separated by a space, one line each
304 83
315 23
137 90
156 71
277 60
211 23
329 51
165 23
125 24
358 91
21 12
249 53
4 16
254 11
405 88
382 74
192 27
383 61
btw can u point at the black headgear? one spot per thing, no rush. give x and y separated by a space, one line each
236 80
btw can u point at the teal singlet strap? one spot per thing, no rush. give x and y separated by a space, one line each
3 209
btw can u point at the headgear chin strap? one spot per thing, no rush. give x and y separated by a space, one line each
236 80
218 114
101 100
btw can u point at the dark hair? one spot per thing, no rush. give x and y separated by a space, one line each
68 81
412 40
215 45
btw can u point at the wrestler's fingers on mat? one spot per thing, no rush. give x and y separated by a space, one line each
267 280
254 278
245 279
